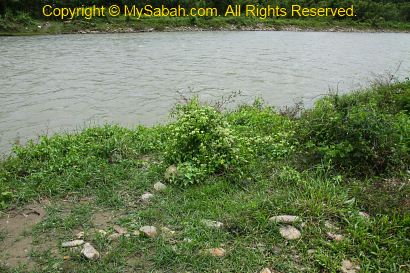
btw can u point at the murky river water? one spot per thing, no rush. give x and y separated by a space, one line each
62 83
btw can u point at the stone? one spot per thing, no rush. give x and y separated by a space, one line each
146 197
284 219
349 267
334 237
212 224
149 231
159 186
114 236
90 252
217 252
171 172
80 235
120 230
102 232
364 215
265 270
289 232
72 243
167 232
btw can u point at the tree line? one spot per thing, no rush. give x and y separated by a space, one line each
388 10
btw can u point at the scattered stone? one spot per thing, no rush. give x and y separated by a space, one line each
146 197
90 252
149 231
136 233
364 215
171 172
72 243
114 236
120 230
265 270
159 186
102 232
65 258
289 232
285 219
80 235
217 252
349 267
167 232
213 224
335 237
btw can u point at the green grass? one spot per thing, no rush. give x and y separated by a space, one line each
107 169
25 25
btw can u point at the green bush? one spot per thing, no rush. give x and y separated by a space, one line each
357 133
201 143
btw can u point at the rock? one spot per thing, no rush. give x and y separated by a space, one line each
171 172
80 235
90 252
72 243
167 232
65 258
217 252
146 197
364 215
335 237
265 270
349 267
114 236
289 232
102 232
120 230
285 219
159 186
212 224
149 231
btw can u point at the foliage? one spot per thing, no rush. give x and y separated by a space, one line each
202 143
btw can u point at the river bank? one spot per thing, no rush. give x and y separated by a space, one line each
25 25
252 189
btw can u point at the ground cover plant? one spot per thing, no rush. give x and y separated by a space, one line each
341 167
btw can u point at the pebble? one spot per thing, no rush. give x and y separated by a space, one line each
102 232
349 267
114 236
159 186
285 219
213 224
289 232
120 230
90 252
146 197
149 231
335 237
72 243
217 252
80 235
265 270
364 215
171 172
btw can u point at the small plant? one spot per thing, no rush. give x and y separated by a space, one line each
201 143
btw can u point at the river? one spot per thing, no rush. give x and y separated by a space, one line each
64 83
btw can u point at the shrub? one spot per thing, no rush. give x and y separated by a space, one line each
201 143
358 137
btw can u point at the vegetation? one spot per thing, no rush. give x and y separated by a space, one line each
25 17
347 154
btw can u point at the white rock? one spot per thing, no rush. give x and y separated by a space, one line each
285 219
159 186
149 231
349 267
212 224
265 270
120 230
146 197
114 236
364 215
289 232
335 237
102 232
171 172
72 243
80 235
90 252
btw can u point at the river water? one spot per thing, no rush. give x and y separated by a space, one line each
64 83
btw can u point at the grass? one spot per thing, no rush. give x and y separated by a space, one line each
24 25
105 170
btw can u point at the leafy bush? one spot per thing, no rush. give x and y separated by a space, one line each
202 143
357 133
